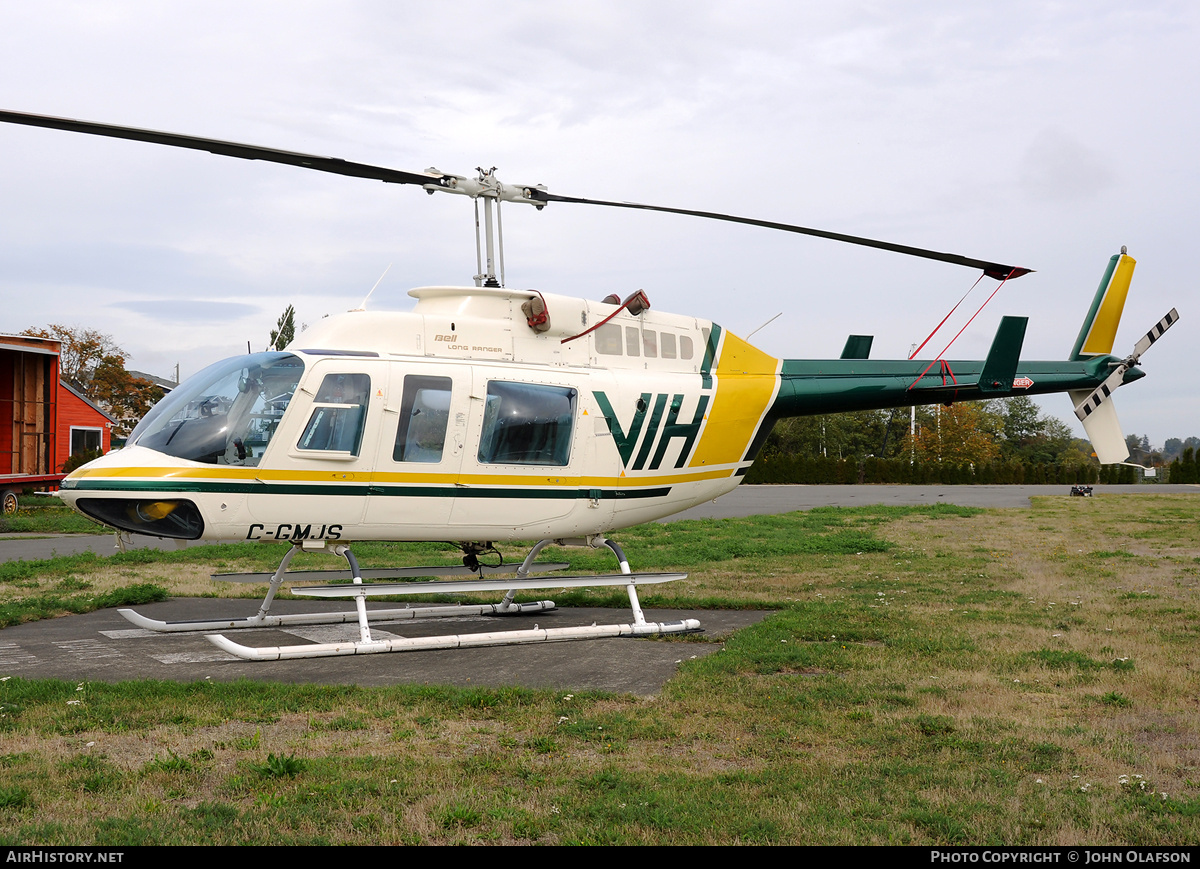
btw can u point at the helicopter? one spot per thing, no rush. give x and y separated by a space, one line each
489 414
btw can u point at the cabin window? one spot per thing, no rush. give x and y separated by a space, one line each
338 415
633 340
668 344
527 424
685 347
424 416
225 414
650 343
608 340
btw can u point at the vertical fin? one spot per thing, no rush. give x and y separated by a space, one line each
1099 329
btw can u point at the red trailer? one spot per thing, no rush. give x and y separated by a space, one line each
29 390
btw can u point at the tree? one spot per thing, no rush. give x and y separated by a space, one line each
960 434
1138 446
1031 438
82 350
92 363
855 434
126 398
1187 467
285 330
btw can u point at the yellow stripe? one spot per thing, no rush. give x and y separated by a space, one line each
648 479
1103 334
747 380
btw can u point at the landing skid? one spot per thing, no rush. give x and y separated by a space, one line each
264 619
366 645
456 641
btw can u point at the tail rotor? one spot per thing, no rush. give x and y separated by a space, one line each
1095 409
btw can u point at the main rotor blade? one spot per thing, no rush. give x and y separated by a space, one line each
999 271
227 149
532 195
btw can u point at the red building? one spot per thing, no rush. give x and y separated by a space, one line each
42 420
81 425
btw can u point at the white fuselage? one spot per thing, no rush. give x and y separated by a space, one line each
456 421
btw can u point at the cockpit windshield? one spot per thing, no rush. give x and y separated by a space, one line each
225 414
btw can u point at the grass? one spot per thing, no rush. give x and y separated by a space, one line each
46 514
31 590
928 676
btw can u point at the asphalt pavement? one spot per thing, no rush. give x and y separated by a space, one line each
768 500
102 646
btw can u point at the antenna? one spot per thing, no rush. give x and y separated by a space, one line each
363 306
765 325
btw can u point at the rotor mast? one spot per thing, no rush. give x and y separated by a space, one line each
487 187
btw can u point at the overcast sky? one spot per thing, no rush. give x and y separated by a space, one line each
1041 134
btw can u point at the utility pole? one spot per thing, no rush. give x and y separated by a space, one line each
912 422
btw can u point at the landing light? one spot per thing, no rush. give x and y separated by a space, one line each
178 519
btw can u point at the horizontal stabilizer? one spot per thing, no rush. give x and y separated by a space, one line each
858 347
1000 367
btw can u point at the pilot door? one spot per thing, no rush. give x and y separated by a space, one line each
320 468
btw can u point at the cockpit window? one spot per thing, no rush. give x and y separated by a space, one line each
225 414
527 424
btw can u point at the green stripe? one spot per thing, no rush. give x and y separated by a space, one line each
364 490
179 486
710 356
1076 351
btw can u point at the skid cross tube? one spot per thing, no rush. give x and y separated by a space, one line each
367 645
264 619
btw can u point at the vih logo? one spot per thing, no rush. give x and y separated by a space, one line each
657 416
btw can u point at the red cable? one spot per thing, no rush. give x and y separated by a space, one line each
947 317
960 331
623 306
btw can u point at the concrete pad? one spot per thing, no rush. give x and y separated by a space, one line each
103 646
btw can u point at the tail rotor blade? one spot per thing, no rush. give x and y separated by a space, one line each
1154 334
1101 393
1104 391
